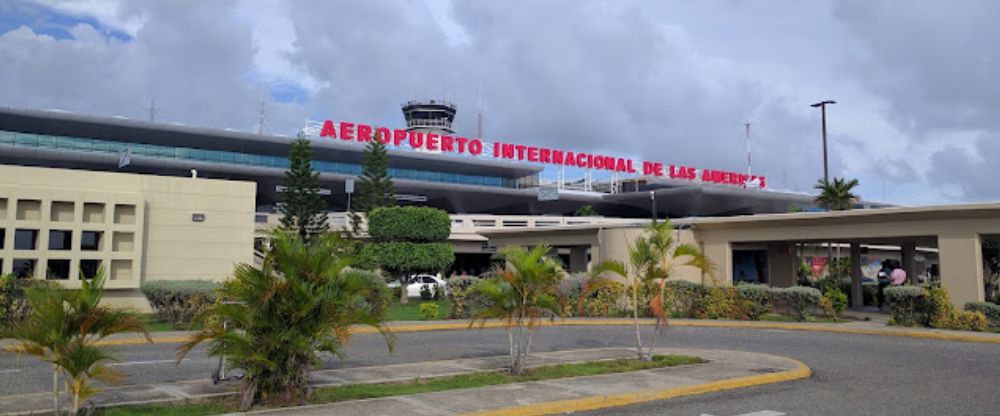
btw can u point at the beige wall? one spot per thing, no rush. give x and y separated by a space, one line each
157 240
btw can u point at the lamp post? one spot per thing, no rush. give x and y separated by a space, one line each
822 107
652 200
826 174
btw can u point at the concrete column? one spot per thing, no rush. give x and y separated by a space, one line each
781 264
909 260
857 297
578 259
595 256
961 261
721 255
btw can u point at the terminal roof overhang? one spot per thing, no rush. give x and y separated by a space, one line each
62 123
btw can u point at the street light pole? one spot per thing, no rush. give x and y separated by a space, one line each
822 106
652 199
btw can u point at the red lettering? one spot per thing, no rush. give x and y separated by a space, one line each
416 139
383 135
543 155
657 169
570 160
508 151
763 182
461 144
583 160
364 132
346 131
692 173
432 141
630 169
598 162
476 147
557 157
532 154
620 166
447 143
609 163
328 130
520 151
398 136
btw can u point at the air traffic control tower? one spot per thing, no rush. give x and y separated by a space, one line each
430 116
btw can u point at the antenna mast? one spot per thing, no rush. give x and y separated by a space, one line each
260 117
749 171
479 115
152 109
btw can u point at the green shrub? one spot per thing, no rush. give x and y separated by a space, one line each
755 300
179 302
414 224
571 287
429 310
838 300
459 309
990 310
405 258
907 305
14 305
606 302
716 303
683 296
798 301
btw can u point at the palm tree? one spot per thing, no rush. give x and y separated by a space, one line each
522 293
277 318
836 195
653 258
63 330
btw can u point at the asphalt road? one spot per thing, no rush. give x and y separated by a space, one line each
853 374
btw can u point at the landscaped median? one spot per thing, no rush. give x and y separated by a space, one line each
557 382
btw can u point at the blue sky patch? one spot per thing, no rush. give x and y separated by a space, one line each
46 21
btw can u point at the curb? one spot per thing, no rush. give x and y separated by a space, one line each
944 336
616 400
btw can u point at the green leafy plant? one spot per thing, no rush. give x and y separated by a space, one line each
654 257
755 300
429 310
521 294
303 209
63 329
275 319
907 305
837 195
14 304
990 310
179 301
585 211
375 187
409 240
799 301
426 292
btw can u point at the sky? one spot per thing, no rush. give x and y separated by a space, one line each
917 118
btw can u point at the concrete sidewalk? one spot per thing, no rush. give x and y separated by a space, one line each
724 370
722 365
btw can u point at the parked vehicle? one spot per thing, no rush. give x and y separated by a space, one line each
416 282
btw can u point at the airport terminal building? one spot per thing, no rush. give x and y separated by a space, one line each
149 201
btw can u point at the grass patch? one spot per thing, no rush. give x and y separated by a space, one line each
411 311
371 391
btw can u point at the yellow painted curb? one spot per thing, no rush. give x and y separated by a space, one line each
600 402
789 326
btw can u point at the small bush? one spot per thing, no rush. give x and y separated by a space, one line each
755 299
429 310
14 306
463 281
907 305
837 301
179 302
426 292
459 309
571 287
683 296
717 303
799 301
606 302
990 310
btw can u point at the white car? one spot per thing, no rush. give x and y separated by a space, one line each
418 281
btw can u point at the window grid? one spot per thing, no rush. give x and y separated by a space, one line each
221 156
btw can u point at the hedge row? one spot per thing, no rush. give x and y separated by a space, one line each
14 306
414 224
990 310
179 302
931 307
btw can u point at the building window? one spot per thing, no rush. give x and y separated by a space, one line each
90 240
60 240
89 268
24 268
25 239
3 237
93 212
29 210
62 211
57 270
124 214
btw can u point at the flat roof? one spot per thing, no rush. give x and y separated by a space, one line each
61 123
929 212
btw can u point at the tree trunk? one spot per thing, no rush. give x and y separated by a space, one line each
55 390
635 320
403 295
659 320
247 398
